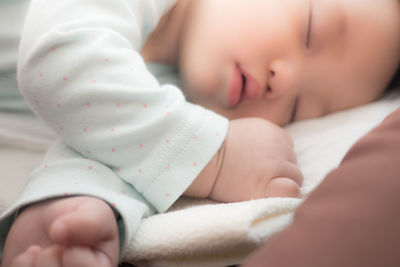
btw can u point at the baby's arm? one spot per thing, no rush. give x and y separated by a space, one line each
256 161
81 71
84 228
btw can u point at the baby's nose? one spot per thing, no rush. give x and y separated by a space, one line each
281 77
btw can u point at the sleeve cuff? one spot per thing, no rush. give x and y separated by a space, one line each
199 143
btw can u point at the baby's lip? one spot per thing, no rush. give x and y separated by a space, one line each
252 88
243 86
236 87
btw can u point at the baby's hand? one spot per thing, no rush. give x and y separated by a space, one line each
258 162
69 232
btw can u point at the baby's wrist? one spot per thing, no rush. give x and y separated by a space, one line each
204 183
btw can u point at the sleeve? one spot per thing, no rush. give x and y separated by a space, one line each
81 72
352 218
65 173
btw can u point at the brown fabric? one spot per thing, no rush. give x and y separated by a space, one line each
353 218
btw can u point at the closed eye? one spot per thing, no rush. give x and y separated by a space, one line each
308 39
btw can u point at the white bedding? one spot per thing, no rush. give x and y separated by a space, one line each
199 232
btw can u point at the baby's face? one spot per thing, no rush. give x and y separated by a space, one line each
288 60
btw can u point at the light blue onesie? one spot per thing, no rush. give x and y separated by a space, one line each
125 137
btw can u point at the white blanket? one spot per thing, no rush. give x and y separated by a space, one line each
200 232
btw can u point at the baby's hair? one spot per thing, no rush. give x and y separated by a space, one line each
395 83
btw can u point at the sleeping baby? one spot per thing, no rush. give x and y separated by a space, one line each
129 145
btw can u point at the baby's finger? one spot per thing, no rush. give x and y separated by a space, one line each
282 187
291 156
86 257
294 173
92 222
49 257
27 259
285 150
280 151
288 170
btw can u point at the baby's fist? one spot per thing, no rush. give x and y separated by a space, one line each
65 232
258 162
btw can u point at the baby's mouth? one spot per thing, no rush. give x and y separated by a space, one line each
250 87
243 86
239 86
